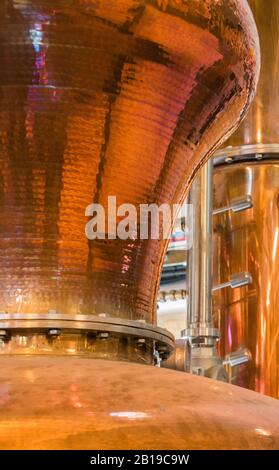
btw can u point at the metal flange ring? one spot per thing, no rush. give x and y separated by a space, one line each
14 322
246 153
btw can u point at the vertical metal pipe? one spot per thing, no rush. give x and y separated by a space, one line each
200 255
205 246
193 283
200 332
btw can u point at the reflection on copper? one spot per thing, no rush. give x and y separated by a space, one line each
130 414
98 99
263 432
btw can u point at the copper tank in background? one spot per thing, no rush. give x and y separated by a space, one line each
124 98
247 240
260 126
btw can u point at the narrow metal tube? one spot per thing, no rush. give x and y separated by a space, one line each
206 244
200 255
193 283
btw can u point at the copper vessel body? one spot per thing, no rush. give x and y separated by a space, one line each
92 404
125 99
260 125
248 241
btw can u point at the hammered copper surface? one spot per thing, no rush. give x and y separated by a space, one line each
261 123
72 403
249 241
122 98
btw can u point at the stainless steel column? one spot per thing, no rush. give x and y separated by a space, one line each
200 331
199 320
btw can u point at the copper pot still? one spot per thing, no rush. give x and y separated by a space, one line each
247 240
94 93
125 98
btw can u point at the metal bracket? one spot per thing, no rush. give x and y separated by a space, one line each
236 280
237 205
236 358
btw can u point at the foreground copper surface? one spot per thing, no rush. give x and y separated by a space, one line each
122 98
71 403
